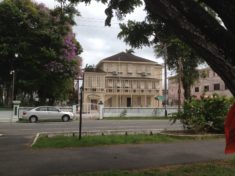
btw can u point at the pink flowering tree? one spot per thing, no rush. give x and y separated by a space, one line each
46 47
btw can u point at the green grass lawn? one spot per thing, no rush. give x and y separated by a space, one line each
219 168
73 141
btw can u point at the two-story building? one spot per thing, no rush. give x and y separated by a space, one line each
123 80
209 83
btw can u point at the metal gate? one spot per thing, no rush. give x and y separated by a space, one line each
90 111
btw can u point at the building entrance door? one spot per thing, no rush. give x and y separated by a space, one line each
128 102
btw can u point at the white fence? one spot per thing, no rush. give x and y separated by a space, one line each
6 115
137 112
88 113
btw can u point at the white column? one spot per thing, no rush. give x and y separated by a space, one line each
74 110
145 100
15 114
101 111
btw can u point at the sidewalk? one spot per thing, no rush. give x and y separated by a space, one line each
22 160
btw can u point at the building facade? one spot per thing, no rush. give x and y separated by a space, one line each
123 80
209 83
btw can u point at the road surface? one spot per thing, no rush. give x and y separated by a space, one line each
17 158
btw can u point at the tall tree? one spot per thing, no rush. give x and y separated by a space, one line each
15 29
46 46
193 23
138 34
184 61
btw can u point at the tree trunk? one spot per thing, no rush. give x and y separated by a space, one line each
187 91
227 15
193 25
1 95
51 101
8 97
31 100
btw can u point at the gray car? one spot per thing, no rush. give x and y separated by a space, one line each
46 113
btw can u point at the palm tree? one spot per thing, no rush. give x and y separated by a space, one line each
130 51
183 60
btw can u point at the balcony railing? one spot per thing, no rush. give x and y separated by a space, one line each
127 91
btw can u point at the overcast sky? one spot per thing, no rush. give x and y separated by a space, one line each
98 41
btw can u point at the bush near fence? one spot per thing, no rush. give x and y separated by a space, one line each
206 114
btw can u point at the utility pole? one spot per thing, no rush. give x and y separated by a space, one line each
165 79
78 89
81 107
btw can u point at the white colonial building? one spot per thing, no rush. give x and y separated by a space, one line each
123 80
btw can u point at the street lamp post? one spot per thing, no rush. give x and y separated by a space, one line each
81 108
13 84
13 79
80 114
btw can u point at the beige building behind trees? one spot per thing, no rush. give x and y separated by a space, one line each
209 83
123 80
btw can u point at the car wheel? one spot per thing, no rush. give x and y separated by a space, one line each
33 119
65 118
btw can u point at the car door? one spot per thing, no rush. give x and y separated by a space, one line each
53 113
41 113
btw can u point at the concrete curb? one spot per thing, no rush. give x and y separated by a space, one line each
122 132
35 139
97 133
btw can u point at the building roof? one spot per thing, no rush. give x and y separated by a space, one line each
96 70
127 57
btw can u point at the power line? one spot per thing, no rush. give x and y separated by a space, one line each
89 18
97 26
95 20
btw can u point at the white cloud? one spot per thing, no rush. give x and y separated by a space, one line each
48 3
98 41
94 10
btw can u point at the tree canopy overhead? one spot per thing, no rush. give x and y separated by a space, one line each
211 36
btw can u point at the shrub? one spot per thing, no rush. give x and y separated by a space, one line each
205 115
123 113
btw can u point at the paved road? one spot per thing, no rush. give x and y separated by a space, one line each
33 128
17 158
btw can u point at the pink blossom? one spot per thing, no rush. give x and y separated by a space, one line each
70 51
